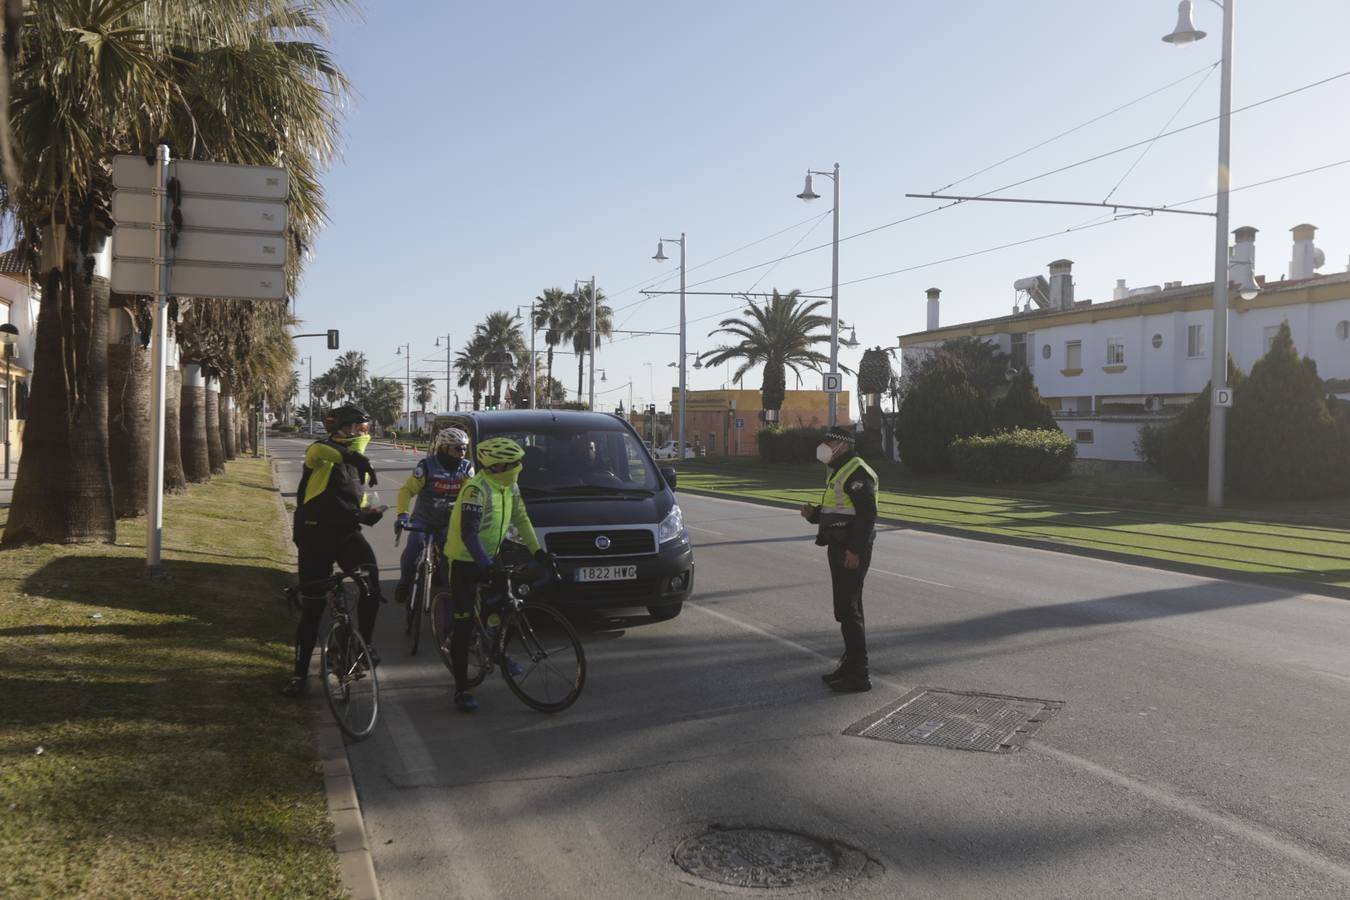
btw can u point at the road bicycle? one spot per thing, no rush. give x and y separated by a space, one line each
537 650
419 600
345 662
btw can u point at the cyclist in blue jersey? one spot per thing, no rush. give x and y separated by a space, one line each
434 484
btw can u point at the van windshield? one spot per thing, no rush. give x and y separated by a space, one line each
567 460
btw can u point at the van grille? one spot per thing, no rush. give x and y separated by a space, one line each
630 542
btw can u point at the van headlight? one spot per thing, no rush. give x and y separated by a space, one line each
672 527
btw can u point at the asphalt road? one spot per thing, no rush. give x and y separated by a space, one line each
1200 751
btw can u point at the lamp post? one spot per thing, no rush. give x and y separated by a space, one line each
808 194
533 377
661 257
309 406
1186 33
447 368
9 334
406 352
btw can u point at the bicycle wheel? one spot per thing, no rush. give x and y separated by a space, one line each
544 649
349 680
441 626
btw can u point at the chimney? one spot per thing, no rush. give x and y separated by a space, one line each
933 294
1306 256
1242 256
1061 284
1121 291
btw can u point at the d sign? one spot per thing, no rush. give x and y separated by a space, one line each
1223 397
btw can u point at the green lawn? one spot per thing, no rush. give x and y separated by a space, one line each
145 750
1136 516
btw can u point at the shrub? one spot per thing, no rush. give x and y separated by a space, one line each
1284 442
1179 448
941 406
789 445
1023 454
1022 406
287 429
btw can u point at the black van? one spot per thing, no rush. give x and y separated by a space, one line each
599 504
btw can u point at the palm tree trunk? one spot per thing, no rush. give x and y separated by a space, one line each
129 424
215 449
228 433
174 479
550 376
581 365
63 492
251 430
196 455
773 389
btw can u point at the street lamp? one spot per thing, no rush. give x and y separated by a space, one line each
661 257
809 194
9 335
1186 33
447 367
576 288
406 352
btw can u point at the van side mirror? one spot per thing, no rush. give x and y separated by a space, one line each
668 474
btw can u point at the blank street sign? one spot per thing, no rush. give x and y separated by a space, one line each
205 178
259 216
132 276
133 242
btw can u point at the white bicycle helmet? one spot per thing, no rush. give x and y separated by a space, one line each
451 437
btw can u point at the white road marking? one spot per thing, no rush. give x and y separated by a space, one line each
708 530
1235 826
910 577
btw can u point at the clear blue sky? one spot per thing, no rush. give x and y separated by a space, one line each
496 149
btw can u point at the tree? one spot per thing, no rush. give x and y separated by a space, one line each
350 374
1022 406
550 314
1284 442
940 407
91 80
985 365
549 392
778 335
382 399
502 347
424 391
577 327
471 364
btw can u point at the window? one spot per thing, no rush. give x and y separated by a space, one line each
1019 351
1115 351
1046 352
1082 435
1343 330
1268 337
1195 341
1157 341
1073 355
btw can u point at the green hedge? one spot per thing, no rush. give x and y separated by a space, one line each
287 429
1023 454
789 445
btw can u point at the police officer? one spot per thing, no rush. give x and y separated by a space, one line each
328 519
846 518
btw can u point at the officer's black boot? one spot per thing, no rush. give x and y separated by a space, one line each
853 676
839 670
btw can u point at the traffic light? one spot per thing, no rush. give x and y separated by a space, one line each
332 339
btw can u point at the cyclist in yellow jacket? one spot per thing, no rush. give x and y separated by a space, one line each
489 503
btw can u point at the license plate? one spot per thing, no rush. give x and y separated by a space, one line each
607 573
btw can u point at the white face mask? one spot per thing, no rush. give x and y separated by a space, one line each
825 453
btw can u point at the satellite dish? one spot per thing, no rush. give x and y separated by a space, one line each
1319 258
1011 373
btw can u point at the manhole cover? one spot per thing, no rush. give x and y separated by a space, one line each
959 720
756 857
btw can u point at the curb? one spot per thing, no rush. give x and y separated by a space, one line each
356 867
1283 582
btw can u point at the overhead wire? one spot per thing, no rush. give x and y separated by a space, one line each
1166 125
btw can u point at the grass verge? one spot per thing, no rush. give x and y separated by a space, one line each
1308 541
145 748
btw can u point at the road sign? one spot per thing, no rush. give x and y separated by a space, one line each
740 423
137 276
1223 397
223 213
140 242
834 383
205 178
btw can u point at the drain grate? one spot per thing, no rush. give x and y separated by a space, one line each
756 857
958 720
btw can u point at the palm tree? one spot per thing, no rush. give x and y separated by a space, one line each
550 314
577 326
350 373
424 391
779 336
471 364
503 347
233 80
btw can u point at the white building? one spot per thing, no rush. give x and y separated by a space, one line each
1107 368
18 307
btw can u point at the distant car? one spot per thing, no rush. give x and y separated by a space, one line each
668 450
